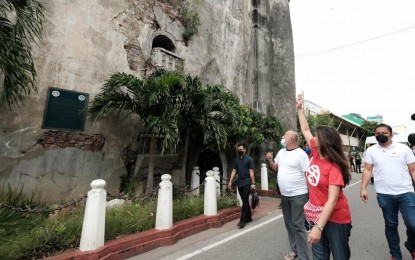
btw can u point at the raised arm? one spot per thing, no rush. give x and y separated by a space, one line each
305 129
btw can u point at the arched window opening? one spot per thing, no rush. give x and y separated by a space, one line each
163 54
161 41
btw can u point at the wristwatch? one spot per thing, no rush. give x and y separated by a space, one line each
319 227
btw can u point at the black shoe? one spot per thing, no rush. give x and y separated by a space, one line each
241 224
249 220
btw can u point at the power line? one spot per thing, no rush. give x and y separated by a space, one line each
315 53
370 93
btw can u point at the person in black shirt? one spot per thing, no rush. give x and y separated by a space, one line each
358 162
243 166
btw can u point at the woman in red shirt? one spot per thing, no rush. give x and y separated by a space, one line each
327 209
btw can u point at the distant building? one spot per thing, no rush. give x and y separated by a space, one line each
348 126
400 130
376 118
314 109
356 118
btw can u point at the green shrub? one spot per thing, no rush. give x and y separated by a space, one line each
131 218
39 235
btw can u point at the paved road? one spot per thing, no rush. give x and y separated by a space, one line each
266 238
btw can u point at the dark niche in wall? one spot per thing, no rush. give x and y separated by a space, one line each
65 109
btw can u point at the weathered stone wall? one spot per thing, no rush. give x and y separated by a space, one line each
86 41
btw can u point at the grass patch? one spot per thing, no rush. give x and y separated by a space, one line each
39 235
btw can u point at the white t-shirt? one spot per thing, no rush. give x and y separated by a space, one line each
291 168
390 168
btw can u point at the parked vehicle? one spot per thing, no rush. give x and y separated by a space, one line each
371 140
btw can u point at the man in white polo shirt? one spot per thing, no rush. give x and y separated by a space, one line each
393 167
291 163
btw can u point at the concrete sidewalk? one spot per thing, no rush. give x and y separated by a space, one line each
148 240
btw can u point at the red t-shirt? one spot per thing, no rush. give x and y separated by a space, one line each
320 174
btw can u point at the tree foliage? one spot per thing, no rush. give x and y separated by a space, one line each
315 120
156 100
254 128
369 127
169 103
21 24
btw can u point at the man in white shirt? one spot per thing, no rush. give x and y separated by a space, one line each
291 163
393 168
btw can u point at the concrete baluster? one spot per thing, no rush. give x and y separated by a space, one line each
217 180
210 203
93 227
164 215
195 182
238 197
264 177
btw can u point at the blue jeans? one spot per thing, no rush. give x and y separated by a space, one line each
293 212
391 205
335 240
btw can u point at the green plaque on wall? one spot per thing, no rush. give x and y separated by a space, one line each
65 109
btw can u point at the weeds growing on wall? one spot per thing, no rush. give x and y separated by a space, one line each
188 16
34 236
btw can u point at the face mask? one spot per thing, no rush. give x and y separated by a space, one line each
240 153
283 143
381 139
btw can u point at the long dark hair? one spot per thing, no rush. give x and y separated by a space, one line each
331 148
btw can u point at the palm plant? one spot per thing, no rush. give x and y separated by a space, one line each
206 113
126 95
156 101
21 23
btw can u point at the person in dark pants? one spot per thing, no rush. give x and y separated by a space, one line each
327 210
243 166
351 161
393 165
358 162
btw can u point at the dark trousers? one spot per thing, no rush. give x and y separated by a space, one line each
358 166
244 192
334 240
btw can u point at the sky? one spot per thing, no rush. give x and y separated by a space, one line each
357 56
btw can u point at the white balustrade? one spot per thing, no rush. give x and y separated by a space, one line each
195 182
216 175
93 227
238 197
264 177
210 203
164 215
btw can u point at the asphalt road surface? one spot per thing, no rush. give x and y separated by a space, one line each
266 238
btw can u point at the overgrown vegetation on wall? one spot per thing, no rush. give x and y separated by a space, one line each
188 16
